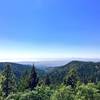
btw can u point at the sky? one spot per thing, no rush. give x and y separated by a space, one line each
36 29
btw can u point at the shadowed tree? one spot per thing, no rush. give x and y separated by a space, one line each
72 78
33 80
47 80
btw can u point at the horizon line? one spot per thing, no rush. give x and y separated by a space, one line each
48 59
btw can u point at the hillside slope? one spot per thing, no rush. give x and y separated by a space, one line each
19 69
86 71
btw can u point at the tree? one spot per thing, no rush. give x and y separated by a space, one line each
23 82
33 80
9 84
87 92
63 93
1 80
72 78
39 93
47 80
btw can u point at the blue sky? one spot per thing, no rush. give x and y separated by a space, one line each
49 29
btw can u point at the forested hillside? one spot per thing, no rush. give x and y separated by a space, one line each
87 71
76 80
19 69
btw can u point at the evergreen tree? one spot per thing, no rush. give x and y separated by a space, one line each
72 78
9 84
33 80
47 80
1 80
23 82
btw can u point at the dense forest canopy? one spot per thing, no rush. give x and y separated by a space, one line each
76 80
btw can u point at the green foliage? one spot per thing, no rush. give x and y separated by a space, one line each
98 86
77 87
63 93
40 93
2 78
72 78
87 72
33 80
87 92
14 96
47 80
23 82
9 84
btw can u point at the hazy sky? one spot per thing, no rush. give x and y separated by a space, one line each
49 29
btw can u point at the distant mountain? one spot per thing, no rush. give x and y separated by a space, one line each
86 71
46 63
54 63
42 63
19 69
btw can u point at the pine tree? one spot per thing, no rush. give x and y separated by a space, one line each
9 84
33 80
1 80
72 78
47 80
23 82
